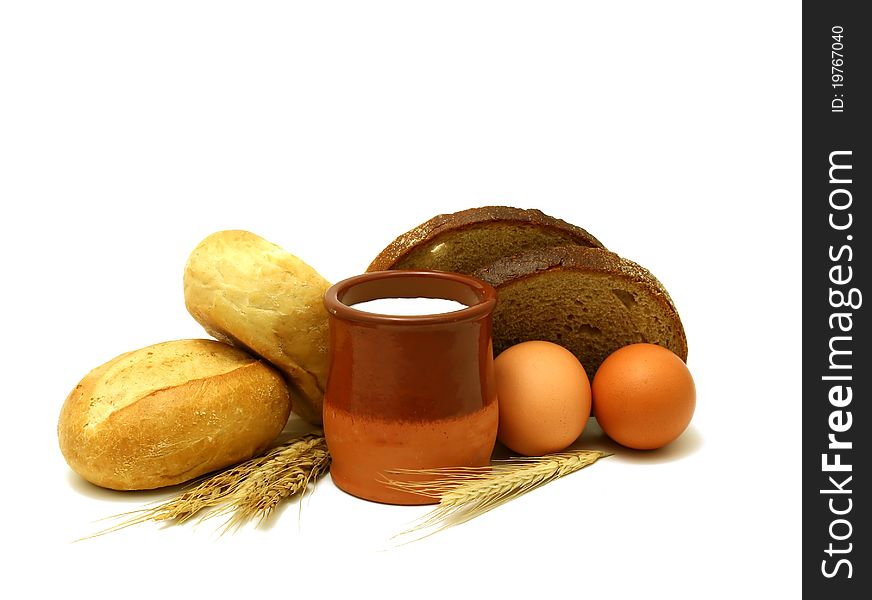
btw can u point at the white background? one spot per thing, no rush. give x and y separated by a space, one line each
670 130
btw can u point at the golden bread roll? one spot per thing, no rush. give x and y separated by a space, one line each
251 293
171 412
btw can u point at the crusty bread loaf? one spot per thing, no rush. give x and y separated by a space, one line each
588 300
253 294
168 413
465 241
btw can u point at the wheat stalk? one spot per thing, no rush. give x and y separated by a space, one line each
250 490
468 492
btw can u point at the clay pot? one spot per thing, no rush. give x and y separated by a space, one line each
408 392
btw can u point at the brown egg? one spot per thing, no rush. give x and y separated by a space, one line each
643 396
544 397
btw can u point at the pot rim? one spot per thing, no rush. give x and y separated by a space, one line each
484 295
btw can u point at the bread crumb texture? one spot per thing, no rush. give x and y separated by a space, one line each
590 301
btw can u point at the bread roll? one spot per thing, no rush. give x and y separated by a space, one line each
168 413
250 293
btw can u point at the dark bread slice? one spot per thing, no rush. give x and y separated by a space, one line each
465 241
588 300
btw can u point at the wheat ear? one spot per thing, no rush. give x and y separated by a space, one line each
250 490
466 493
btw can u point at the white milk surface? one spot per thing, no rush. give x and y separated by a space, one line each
409 306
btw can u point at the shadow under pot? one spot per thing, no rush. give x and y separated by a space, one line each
408 391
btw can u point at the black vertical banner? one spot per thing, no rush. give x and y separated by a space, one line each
837 300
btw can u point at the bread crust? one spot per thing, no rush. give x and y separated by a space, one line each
251 293
120 428
512 269
472 217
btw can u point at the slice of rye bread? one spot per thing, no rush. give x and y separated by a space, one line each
465 241
588 300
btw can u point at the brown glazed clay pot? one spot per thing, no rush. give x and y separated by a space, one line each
408 392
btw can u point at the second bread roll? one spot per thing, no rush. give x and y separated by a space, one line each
251 293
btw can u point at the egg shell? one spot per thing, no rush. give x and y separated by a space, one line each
643 396
544 397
